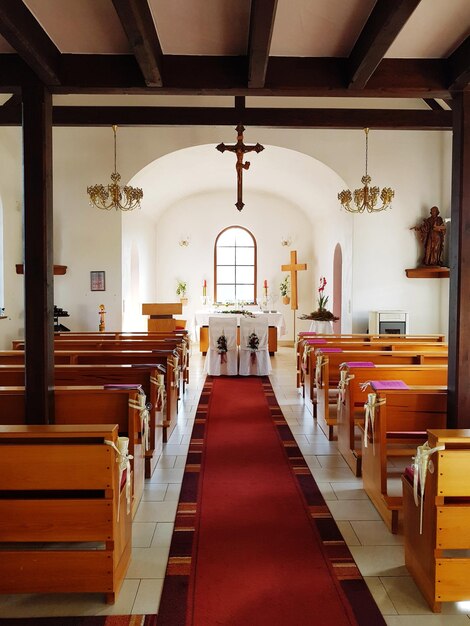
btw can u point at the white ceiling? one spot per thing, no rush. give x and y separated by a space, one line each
318 28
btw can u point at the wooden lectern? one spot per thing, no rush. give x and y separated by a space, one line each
161 315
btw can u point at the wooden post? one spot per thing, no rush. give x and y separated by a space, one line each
459 322
38 253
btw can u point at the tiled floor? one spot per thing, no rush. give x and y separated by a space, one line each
378 553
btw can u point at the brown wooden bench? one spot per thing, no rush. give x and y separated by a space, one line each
167 358
336 356
60 494
351 405
401 419
150 377
304 337
90 405
438 558
331 412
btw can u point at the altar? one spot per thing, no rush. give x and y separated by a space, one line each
276 325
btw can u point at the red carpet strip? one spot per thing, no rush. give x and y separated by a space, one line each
254 542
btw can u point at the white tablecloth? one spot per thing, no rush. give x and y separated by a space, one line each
322 328
201 318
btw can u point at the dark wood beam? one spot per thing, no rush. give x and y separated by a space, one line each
433 104
277 118
38 264
385 22
285 76
24 33
459 66
262 17
137 21
459 320
407 119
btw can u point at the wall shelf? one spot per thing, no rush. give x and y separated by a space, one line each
58 269
428 272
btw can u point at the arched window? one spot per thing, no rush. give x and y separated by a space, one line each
235 266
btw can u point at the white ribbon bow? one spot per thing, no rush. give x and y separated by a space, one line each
421 465
124 459
369 417
142 406
342 384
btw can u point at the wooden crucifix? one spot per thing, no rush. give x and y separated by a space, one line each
293 268
240 149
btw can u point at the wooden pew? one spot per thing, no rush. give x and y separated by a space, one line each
351 406
335 356
59 504
163 342
149 377
438 558
166 358
402 417
90 405
304 337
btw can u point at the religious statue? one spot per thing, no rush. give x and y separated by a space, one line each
101 313
431 232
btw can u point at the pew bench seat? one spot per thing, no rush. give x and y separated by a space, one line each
64 522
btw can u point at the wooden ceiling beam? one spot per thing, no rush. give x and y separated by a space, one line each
226 76
433 104
459 66
262 17
24 33
382 27
137 22
386 119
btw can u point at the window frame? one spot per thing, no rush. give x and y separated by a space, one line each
255 261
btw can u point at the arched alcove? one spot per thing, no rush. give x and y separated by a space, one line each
286 194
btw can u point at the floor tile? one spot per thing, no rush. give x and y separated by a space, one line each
163 534
408 600
380 560
142 534
148 563
375 534
148 597
380 595
349 491
348 533
353 510
156 511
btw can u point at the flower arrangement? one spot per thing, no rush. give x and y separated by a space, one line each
239 312
284 286
253 345
321 314
181 288
222 347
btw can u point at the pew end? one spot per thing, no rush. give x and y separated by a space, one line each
64 522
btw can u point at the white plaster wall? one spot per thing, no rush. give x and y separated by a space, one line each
11 191
204 216
416 164
85 238
139 268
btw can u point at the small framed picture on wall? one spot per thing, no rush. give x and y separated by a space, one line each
97 281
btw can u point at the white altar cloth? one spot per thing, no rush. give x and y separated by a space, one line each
201 318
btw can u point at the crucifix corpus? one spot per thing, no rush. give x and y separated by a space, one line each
240 149
293 268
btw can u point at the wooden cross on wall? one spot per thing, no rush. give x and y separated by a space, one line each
240 149
293 268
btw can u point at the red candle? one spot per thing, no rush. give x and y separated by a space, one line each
204 284
265 284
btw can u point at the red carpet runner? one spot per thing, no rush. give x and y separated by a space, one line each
254 542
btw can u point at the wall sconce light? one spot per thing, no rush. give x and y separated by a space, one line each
184 241
286 241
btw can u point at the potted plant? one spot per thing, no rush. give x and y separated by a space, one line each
322 314
181 291
284 289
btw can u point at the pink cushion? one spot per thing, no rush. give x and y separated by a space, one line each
360 364
331 349
389 384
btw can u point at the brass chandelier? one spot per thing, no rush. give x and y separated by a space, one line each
113 196
366 197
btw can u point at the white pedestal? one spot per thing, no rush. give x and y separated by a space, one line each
321 328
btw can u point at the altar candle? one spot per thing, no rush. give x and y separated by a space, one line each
265 283
204 290
204 284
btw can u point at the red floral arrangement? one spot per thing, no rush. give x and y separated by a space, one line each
321 314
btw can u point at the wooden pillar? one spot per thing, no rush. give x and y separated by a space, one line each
459 319
38 262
